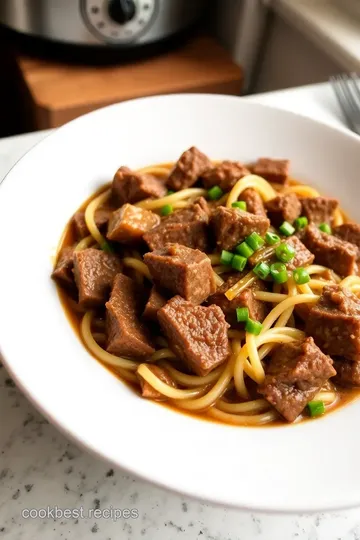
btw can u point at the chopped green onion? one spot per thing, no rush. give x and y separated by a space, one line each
262 270
170 192
316 408
253 327
238 263
279 273
244 249
242 314
301 276
301 222
255 241
286 229
284 252
271 238
226 257
105 246
215 193
166 210
239 204
325 227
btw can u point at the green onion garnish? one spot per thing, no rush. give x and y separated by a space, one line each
262 270
325 227
226 257
215 193
239 204
166 210
238 263
255 241
244 250
170 192
286 229
271 238
301 222
242 314
316 408
253 327
284 252
105 246
301 276
279 273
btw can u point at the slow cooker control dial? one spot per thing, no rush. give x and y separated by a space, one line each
122 11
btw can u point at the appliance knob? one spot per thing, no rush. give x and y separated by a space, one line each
122 11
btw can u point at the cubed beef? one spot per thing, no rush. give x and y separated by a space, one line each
330 251
350 232
63 271
254 203
127 336
129 223
231 226
303 257
183 271
334 323
257 309
94 272
319 209
130 187
225 175
283 208
147 391
347 373
196 334
188 227
102 216
191 165
296 373
155 302
273 170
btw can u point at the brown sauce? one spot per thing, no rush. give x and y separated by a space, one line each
344 395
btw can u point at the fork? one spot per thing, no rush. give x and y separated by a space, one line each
347 93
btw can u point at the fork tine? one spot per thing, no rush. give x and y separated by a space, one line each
339 93
354 80
345 86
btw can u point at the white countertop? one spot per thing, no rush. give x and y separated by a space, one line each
40 468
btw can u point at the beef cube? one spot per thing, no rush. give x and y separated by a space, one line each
303 257
330 251
273 170
94 272
196 334
231 226
130 187
191 165
257 309
254 203
155 302
63 271
127 336
188 227
319 209
147 391
283 208
102 216
182 270
296 373
350 232
334 323
225 175
129 223
347 373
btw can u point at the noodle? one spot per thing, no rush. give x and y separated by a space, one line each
137 265
90 216
242 420
151 204
251 180
165 389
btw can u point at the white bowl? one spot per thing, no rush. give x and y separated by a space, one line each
310 466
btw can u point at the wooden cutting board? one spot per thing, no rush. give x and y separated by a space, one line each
60 92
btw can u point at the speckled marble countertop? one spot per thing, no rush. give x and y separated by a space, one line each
39 468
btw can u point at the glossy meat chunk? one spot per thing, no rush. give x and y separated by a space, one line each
347 373
283 208
231 226
225 175
129 223
130 187
350 232
147 391
191 165
254 203
101 215
303 257
273 170
319 209
63 271
155 302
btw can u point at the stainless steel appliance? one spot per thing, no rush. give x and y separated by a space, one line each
121 24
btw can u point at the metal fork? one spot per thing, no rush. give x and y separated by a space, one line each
347 93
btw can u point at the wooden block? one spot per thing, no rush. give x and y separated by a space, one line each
62 92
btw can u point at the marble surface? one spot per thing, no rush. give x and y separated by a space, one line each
41 471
